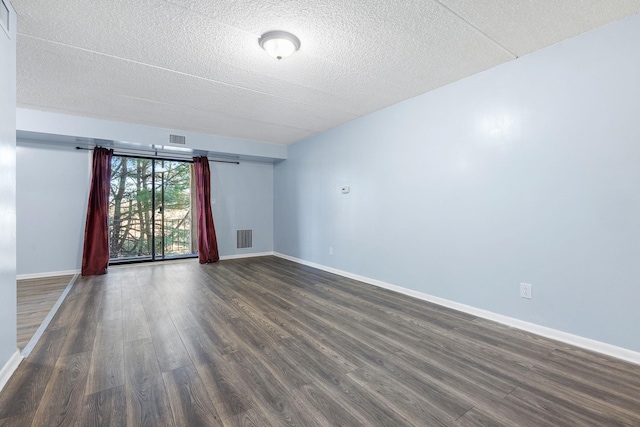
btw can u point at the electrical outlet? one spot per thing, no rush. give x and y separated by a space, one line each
525 290
330 250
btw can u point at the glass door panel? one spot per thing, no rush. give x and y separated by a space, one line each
150 209
130 230
173 228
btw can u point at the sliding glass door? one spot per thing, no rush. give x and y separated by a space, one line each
150 209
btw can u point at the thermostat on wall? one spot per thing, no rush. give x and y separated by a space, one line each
345 189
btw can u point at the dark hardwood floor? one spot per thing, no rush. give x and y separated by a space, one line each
266 342
36 297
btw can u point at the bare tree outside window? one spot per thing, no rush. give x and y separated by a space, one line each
150 203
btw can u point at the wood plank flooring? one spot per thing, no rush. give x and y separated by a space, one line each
266 342
36 297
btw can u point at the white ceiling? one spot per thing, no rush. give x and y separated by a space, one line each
196 64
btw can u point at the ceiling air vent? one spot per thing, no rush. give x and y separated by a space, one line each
177 139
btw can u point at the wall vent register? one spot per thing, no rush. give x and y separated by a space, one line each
177 139
244 238
4 16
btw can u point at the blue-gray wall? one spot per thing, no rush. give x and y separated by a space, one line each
528 172
53 191
242 197
8 191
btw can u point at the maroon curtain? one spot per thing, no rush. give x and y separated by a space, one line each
207 242
95 256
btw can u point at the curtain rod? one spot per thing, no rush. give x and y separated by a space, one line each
154 155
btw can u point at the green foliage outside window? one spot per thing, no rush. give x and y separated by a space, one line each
133 219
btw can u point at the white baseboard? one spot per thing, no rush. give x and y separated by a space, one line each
9 368
252 255
576 340
47 274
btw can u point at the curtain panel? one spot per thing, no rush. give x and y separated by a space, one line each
95 255
207 242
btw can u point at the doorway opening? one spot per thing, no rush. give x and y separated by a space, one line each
151 208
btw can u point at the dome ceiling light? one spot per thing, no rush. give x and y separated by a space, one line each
279 44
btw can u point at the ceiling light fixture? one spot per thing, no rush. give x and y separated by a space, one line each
279 44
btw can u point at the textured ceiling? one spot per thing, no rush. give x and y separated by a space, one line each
196 64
